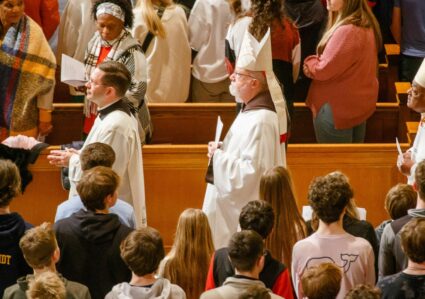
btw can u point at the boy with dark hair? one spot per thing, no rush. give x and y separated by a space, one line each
12 227
142 251
256 215
322 281
246 253
89 240
391 256
96 154
409 283
329 196
400 199
41 252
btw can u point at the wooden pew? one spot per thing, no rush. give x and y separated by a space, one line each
174 180
412 129
194 123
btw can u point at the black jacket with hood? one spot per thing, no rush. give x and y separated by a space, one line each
90 254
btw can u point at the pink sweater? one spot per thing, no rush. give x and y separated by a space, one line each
345 76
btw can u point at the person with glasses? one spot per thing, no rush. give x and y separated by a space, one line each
254 143
115 125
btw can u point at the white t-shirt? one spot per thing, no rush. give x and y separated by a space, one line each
208 24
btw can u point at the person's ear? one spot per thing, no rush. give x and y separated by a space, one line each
415 186
56 255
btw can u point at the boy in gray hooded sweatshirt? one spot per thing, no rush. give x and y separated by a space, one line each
142 251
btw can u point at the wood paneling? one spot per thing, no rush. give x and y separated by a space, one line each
174 180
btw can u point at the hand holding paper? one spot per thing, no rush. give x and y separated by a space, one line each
73 72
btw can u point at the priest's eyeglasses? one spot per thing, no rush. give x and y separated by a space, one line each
238 75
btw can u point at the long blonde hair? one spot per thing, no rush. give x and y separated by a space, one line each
355 12
276 189
152 21
191 253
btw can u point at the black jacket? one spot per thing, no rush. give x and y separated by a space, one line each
90 254
12 262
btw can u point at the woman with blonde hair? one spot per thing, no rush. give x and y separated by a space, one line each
344 90
187 263
161 27
276 188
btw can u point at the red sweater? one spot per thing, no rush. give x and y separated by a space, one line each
344 76
45 13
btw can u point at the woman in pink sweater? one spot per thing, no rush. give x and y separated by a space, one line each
344 90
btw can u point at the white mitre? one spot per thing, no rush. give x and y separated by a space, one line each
257 56
420 75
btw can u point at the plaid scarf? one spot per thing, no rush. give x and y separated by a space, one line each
27 68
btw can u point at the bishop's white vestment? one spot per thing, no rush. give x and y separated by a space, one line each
417 150
117 127
251 147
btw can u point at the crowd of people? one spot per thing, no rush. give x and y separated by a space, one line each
249 240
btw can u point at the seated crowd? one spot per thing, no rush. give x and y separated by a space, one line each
91 252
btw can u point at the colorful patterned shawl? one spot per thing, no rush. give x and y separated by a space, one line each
27 71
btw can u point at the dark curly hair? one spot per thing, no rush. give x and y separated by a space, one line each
125 6
263 13
329 195
257 215
10 182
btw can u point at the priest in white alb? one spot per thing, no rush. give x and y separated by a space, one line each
255 142
416 100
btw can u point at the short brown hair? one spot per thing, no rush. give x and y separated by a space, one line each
143 250
115 75
46 285
413 240
257 215
255 292
38 245
95 185
399 199
364 291
245 248
420 179
329 195
97 154
10 182
321 281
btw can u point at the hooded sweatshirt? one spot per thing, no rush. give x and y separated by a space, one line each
90 255
12 262
74 290
161 289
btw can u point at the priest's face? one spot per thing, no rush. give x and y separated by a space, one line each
242 85
96 90
416 97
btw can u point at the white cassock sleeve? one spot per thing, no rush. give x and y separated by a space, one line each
237 174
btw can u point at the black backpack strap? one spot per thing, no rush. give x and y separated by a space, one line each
150 36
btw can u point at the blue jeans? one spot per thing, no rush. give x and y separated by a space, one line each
326 133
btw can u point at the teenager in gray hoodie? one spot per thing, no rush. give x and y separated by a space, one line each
142 251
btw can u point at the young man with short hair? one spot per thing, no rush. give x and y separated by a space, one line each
142 251
246 253
256 215
89 240
392 259
322 281
409 283
329 196
41 252
97 154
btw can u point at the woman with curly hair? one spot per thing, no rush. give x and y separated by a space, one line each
161 27
113 41
276 188
12 227
257 16
187 263
344 90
